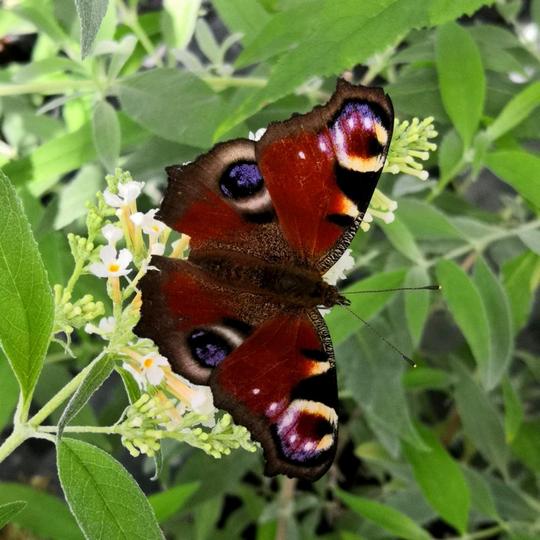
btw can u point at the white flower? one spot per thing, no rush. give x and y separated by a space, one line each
202 402
112 234
127 193
112 265
151 226
139 379
340 269
257 135
105 327
152 367
157 249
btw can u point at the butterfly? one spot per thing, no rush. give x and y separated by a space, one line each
267 219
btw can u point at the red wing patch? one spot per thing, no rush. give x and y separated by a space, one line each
281 384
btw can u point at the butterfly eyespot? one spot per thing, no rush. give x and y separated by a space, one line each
242 179
207 347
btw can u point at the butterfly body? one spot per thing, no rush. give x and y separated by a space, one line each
267 219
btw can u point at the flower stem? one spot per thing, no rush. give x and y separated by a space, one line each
46 88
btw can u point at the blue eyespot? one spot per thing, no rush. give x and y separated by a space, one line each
242 179
207 347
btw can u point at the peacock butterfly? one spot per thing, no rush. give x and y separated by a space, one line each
267 219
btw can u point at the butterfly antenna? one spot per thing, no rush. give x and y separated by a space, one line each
423 288
407 359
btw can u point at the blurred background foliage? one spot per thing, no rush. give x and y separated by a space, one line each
450 449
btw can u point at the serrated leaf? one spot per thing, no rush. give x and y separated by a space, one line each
388 518
342 324
441 480
90 16
513 410
102 495
515 111
481 421
36 516
9 510
98 373
467 308
170 501
27 314
461 78
416 302
106 134
517 168
497 309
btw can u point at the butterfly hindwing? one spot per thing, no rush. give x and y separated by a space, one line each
273 371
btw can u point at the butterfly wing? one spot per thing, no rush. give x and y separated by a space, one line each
272 370
321 169
299 194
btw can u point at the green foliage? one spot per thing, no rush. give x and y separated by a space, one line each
103 497
27 314
448 449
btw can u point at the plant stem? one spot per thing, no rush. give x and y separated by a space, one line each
286 497
79 429
489 239
62 395
484 533
46 87
13 442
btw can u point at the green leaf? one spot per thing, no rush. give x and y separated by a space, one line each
342 324
517 168
106 134
74 196
481 496
480 419
401 238
133 390
102 495
90 16
67 152
513 410
388 518
450 154
497 309
96 376
27 314
329 41
519 284
169 502
188 100
526 445
374 380
467 308
422 378
178 21
426 222
44 515
416 302
515 111
9 391
461 78
441 480
244 16
9 510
